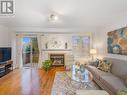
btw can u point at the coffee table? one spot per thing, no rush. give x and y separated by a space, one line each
82 76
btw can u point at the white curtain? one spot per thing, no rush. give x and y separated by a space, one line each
19 61
40 50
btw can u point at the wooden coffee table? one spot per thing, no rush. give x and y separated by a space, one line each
91 92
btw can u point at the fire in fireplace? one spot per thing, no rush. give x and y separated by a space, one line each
57 59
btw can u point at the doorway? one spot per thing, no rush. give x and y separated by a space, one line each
30 52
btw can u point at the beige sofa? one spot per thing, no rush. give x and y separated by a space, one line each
114 81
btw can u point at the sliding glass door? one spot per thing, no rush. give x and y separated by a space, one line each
30 52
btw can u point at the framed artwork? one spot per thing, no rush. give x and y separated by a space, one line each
117 41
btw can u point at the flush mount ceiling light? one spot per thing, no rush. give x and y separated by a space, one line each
53 17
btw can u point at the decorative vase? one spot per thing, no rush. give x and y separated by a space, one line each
82 68
46 45
66 45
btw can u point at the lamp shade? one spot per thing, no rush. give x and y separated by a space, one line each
93 51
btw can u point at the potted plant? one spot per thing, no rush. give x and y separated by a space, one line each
47 65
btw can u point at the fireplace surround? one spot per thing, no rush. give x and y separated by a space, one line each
57 59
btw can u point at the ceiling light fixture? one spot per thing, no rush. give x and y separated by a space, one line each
53 17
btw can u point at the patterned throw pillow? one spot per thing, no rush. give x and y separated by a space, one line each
105 66
95 63
100 65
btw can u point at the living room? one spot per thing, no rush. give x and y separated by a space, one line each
63 47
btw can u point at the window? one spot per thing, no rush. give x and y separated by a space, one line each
81 45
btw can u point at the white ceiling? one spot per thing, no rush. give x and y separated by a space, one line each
76 14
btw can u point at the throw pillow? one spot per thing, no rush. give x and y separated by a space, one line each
100 65
95 63
105 66
122 92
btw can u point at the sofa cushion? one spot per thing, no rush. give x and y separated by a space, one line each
93 64
113 83
97 73
119 67
94 70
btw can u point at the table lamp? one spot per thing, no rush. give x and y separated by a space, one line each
93 52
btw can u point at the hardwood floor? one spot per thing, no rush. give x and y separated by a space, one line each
28 82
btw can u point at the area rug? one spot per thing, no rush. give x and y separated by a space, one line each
63 85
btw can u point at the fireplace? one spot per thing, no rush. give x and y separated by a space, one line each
57 59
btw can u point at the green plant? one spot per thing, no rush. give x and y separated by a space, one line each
47 65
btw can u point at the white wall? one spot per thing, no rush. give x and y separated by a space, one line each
100 41
5 37
13 45
60 38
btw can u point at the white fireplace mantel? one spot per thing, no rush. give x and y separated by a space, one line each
67 53
56 49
